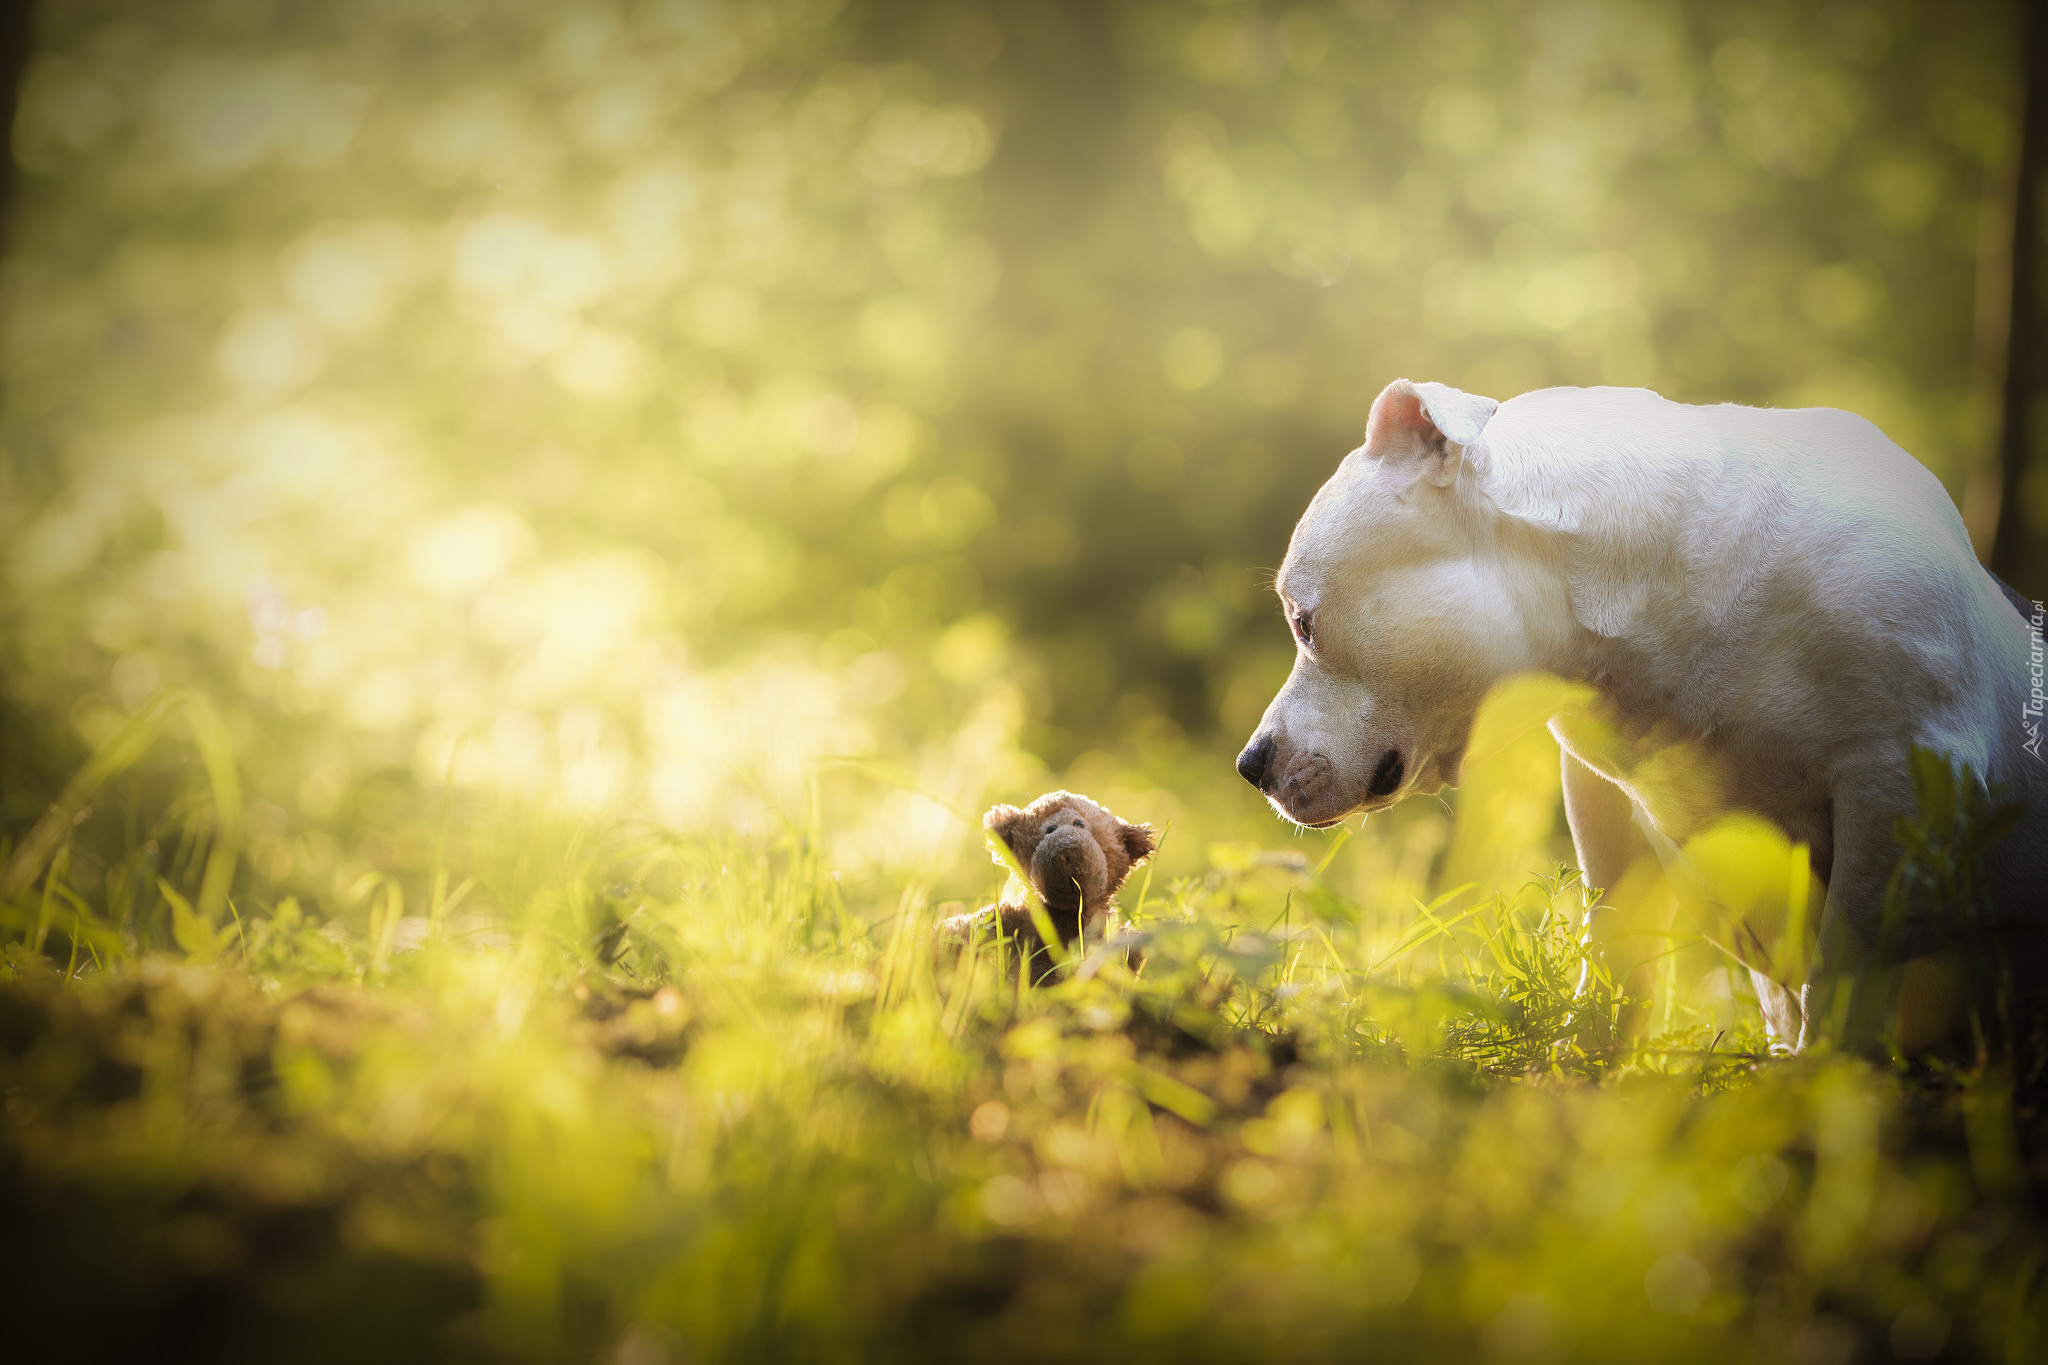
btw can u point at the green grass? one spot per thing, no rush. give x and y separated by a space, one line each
615 1095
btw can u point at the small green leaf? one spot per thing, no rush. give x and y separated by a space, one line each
188 926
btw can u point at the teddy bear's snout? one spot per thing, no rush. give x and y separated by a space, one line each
1068 864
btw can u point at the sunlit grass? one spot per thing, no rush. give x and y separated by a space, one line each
607 1089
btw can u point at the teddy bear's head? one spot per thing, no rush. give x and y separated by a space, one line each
1076 852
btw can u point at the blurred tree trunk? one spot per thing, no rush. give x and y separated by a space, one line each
2023 311
16 18
29 771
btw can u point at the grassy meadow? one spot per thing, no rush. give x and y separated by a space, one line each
594 1089
530 534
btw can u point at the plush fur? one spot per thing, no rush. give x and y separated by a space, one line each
1077 854
1773 607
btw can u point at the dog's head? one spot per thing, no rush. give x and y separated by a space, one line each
1401 618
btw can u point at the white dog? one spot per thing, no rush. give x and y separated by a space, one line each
1784 598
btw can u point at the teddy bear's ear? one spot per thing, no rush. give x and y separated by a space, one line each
1007 822
1139 842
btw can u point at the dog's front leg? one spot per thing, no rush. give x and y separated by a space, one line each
1624 927
1849 994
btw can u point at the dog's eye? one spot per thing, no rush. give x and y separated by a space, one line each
1305 628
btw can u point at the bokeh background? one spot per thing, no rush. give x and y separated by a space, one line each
698 413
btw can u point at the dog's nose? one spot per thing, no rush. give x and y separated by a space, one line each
1256 759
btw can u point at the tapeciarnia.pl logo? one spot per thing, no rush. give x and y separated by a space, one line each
2030 714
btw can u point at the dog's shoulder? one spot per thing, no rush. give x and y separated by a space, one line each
1614 470
1658 502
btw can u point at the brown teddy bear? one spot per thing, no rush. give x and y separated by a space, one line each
1077 854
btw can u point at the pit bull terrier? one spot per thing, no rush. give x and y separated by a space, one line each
1772 609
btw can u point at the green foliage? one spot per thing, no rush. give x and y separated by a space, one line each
1532 984
1938 919
1934 890
689 1099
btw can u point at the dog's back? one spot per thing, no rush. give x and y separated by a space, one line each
1797 589
1767 560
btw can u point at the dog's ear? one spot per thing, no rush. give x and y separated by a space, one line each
1420 431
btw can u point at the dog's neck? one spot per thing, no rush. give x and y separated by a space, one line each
1523 566
1527 567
